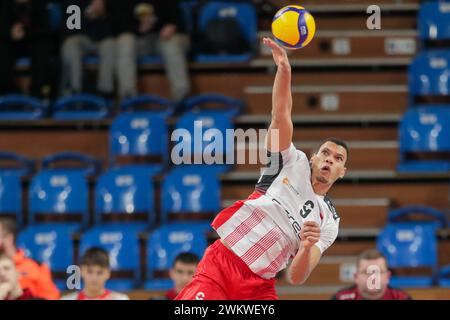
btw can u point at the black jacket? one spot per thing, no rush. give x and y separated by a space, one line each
33 14
96 29
166 12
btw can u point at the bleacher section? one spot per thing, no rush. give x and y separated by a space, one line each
350 82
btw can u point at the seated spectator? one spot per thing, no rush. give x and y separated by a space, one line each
10 288
34 277
95 37
371 280
182 271
148 27
25 32
95 272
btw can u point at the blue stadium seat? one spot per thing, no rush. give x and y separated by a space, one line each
50 244
93 61
424 130
434 21
190 189
432 215
428 74
410 245
18 108
81 107
11 185
165 243
61 192
229 106
126 190
122 244
159 105
245 14
141 133
203 134
444 277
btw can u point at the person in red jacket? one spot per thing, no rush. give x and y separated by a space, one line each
371 280
10 288
32 276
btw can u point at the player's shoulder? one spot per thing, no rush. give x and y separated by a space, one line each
348 293
70 296
330 206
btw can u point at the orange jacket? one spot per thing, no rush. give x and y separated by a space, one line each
37 278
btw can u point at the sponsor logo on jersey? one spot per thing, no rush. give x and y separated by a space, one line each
286 182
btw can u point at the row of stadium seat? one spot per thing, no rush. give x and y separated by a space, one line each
126 192
53 244
407 245
92 107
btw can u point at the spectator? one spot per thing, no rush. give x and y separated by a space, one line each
371 280
34 277
182 271
95 272
10 288
147 27
25 31
95 37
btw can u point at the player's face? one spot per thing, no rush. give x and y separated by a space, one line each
8 273
182 274
95 277
328 164
372 278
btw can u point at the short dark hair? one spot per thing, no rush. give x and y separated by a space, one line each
8 225
337 141
187 258
371 254
95 256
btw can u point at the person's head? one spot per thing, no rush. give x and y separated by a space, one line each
7 236
95 269
372 274
183 269
328 163
8 272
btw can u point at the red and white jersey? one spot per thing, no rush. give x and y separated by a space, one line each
264 230
107 295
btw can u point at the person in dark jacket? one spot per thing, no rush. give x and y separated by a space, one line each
95 37
151 27
371 280
25 32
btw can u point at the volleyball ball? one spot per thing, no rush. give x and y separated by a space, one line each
293 27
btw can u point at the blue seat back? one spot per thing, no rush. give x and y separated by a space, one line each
121 242
126 190
434 21
425 130
244 13
139 134
59 191
166 242
203 132
50 244
438 217
18 107
409 245
188 189
81 107
429 74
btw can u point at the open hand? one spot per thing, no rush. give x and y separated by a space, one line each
279 54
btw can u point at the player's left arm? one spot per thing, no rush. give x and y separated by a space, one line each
308 255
